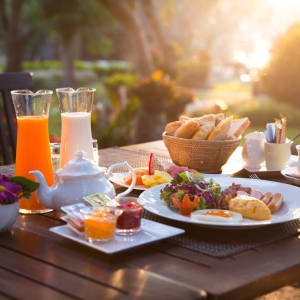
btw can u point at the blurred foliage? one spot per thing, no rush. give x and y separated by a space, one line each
117 131
280 79
193 71
155 92
41 65
111 69
101 70
115 124
160 95
102 46
65 20
176 106
113 82
53 78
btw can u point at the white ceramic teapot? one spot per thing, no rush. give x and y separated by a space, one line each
79 177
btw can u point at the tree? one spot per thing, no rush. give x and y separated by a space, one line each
67 20
280 79
125 13
16 32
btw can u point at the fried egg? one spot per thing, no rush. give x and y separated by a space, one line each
217 215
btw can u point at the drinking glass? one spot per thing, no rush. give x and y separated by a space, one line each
55 154
100 223
129 222
75 107
33 144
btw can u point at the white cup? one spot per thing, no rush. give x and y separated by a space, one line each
277 155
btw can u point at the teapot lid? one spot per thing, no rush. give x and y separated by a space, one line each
80 166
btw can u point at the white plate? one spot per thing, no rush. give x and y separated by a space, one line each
289 211
151 232
118 179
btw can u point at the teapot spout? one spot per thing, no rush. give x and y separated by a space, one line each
44 192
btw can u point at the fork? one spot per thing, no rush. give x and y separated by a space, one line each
254 176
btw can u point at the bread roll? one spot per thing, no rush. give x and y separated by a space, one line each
250 207
203 132
187 129
211 118
237 127
172 127
184 118
219 118
221 131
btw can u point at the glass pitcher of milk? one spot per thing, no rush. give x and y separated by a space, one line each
75 107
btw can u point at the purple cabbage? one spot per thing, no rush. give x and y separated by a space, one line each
209 199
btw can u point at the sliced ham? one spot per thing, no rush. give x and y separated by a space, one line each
256 194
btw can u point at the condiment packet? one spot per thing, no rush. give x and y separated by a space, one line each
270 133
278 129
283 131
100 199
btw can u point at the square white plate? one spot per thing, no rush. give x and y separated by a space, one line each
151 232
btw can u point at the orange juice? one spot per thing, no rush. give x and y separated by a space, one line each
33 153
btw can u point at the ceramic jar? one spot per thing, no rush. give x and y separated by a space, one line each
253 150
8 215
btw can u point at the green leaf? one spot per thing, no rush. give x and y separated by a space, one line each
198 175
28 185
27 196
180 195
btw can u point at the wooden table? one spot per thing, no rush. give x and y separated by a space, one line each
37 264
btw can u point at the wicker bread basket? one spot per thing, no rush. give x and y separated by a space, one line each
204 156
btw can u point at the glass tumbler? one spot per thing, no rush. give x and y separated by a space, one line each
75 107
100 223
129 221
33 144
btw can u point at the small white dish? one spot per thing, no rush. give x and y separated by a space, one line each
291 173
151 232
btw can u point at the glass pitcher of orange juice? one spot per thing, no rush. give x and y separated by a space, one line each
33 145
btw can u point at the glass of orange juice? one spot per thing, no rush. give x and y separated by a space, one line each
33 145
100 223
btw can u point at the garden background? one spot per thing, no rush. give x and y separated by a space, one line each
151 61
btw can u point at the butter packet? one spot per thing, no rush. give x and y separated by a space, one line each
100 199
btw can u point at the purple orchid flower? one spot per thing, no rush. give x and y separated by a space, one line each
9 190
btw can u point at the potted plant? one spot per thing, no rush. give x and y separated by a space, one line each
154 94
11 190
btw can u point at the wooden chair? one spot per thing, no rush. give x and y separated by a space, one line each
8 129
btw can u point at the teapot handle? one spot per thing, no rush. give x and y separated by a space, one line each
131 170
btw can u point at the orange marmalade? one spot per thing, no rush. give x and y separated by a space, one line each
100 227
219 213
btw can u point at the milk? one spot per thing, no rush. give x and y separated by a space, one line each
75 135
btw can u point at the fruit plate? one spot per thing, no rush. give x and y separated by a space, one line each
118 178
289 211
151 232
